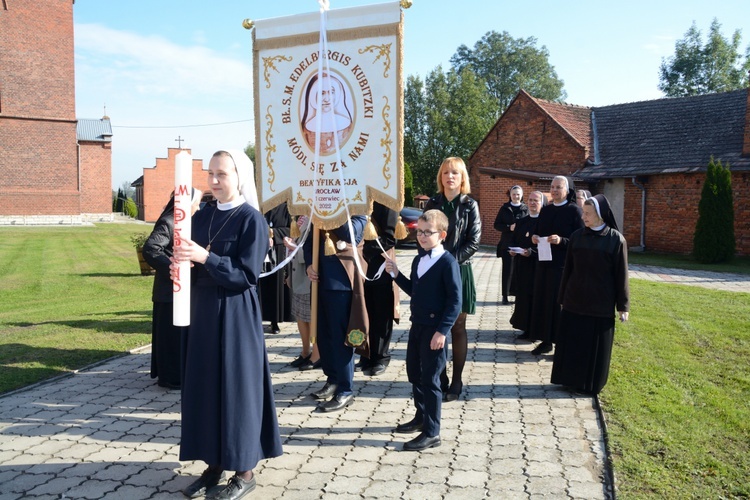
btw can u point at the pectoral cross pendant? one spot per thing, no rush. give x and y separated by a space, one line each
208 248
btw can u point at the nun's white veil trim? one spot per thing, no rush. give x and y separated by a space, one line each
246 175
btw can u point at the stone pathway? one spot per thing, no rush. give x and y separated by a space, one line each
110 432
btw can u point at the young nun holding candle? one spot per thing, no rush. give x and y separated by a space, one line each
594 284
228 412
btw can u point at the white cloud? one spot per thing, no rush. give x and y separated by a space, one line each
149 81
153 65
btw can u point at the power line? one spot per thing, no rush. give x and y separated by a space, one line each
182 126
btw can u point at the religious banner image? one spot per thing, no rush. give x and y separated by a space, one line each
329 123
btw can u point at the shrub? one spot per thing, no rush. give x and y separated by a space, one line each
130 209
714 232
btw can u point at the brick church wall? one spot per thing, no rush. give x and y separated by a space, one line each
158 183
37 110
96 177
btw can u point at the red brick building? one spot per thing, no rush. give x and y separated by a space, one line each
153 188
649 158
55 168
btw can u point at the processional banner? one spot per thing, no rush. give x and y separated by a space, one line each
329 112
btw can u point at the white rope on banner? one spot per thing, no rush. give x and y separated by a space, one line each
322 50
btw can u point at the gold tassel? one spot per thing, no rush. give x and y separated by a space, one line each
294 230
400 233
370 232
330 249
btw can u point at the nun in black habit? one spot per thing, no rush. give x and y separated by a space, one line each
275 297
557 221
165 337
524 264
594 284
228 411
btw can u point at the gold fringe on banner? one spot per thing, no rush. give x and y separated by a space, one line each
330 249
294 230
370 232
400 233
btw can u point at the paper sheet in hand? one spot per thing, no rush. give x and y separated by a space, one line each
544 249
517 249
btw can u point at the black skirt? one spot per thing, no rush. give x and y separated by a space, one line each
583 352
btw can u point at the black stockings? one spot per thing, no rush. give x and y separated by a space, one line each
460 346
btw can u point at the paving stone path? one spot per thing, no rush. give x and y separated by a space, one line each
109 432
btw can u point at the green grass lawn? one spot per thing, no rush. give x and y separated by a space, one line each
739 265
70 296
677 402
678 399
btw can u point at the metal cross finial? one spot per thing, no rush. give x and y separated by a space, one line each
179 141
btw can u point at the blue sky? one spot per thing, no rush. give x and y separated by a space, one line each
163 66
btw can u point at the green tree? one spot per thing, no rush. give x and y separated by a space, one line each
508 64
408 186
447 115
250 151
119 201
713 240
697 69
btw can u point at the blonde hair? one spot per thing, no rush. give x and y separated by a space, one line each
436 217
459 164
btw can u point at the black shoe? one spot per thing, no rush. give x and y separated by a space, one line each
235 489
375 370
412 425
422 442
209 479
326 392
300 360
505 301
453 393
542 348
361 365
169 385
311 365
338 402
275 328
524 336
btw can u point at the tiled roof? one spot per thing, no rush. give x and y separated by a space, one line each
576 120
94 130
669 135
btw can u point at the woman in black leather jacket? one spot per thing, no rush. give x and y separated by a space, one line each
462 241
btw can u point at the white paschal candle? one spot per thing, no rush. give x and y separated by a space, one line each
183 187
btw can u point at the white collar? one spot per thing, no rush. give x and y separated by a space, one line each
436 252
516 204
599 228
561 203
231 204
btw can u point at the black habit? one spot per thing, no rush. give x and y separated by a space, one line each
561 220
594 284
228 410
275 297
165 337
524 271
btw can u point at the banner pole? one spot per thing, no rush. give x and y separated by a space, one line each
314 287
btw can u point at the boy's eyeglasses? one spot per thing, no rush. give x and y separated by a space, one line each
426 233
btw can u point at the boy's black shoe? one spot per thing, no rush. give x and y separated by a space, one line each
422 442
412 425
